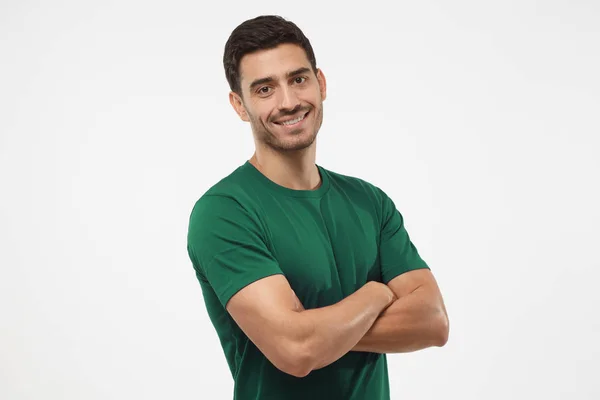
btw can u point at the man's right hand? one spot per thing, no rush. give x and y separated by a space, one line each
382 291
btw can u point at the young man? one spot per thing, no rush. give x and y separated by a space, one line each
309 276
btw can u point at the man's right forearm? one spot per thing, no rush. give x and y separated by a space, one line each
334 330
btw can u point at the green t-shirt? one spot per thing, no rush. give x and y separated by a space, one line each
327 242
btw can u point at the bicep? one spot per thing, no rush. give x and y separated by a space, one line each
421 280
228 248
420 294
264 302
267 312
410 281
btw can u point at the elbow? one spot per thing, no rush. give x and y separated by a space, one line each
298 366
442 329
295 360
298 371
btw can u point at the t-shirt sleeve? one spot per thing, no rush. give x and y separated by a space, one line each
227 247
397 252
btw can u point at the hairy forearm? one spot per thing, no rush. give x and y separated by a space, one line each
336 329
413 322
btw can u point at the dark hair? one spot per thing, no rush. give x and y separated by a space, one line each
261 33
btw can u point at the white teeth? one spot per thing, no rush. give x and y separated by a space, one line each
293 121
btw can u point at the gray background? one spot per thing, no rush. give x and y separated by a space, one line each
480 119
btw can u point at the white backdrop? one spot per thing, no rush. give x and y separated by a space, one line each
480 119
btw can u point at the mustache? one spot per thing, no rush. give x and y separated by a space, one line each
290 113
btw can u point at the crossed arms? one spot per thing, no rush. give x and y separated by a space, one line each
407 314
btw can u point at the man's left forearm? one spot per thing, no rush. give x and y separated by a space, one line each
413 322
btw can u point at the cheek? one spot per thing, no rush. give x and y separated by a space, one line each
257 117
262 115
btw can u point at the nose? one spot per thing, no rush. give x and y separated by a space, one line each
288 99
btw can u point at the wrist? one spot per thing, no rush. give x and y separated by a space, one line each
390 295
383 293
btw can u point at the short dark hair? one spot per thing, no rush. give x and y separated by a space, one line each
261 33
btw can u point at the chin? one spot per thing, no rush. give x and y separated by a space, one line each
295 144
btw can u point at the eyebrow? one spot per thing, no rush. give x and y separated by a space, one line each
269 79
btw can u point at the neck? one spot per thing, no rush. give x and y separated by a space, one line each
294 170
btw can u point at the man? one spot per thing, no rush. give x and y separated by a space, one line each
309 276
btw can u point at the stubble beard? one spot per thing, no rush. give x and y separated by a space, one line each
298 140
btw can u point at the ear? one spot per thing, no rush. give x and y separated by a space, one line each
322 84
238 106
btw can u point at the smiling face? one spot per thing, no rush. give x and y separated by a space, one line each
281 97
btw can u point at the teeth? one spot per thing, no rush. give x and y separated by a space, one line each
293 121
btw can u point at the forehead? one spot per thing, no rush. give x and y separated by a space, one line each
274 62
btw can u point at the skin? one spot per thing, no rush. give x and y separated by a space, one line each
407 314
417 318
286 156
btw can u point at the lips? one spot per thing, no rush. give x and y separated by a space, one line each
293 121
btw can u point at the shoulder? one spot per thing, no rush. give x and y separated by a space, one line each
364 193
222 218
231 191
356 185
228 200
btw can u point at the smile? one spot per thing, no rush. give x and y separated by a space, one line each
293 122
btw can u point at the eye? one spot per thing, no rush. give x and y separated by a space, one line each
264 90
299 79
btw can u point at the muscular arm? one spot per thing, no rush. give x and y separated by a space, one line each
416 320
298 341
